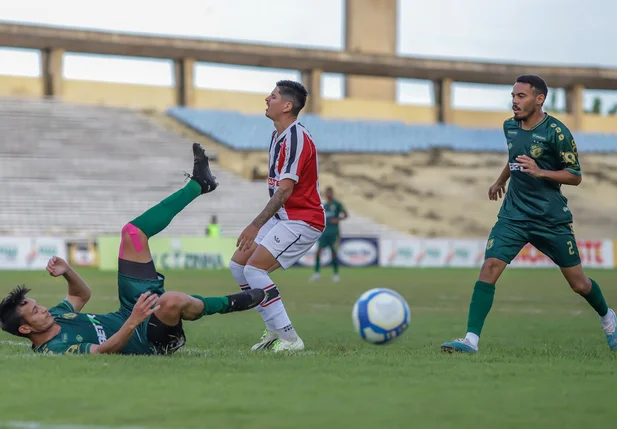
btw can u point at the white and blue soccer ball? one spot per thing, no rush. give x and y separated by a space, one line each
381 315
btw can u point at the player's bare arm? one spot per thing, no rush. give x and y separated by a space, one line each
246 239
498 189
79 292
563 177
146 305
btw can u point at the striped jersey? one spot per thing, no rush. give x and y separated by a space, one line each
293 155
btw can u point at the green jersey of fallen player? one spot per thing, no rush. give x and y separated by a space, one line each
80 330
552 146
333 209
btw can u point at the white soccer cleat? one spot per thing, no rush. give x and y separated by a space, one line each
336 278
315 277
267 340
288 346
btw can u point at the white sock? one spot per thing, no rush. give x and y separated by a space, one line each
272 309
473 338
237 271
607 321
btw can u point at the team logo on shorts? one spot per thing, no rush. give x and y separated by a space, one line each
490 243
536 150
69 316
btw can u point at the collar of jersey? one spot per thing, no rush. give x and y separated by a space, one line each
546 116
278 137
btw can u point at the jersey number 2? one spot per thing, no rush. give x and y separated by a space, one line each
571 247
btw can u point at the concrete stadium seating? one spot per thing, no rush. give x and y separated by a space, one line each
82 170
336 136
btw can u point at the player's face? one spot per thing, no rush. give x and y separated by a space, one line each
275 105
525 102
329 194
36 317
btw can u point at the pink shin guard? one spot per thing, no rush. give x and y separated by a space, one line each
134 234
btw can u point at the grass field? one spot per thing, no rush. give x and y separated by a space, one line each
543 361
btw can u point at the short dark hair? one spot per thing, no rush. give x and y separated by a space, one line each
329 188
536 82
10 316
294 90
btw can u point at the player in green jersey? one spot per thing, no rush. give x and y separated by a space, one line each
335 213
542 157
149 320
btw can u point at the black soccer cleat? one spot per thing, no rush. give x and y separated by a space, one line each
201 170
245 300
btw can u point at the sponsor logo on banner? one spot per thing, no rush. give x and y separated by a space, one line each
352 252
593 254
29 253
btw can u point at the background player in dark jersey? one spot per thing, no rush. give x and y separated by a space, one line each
149 320
542 157
335 212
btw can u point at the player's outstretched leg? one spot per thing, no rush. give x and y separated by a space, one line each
160 216
479 307
590 290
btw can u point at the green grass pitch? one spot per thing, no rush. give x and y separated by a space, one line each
543 361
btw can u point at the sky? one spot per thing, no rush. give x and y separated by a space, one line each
558 32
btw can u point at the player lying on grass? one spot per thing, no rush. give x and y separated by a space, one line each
149 320
542 157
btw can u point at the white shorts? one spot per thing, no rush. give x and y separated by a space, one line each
287 240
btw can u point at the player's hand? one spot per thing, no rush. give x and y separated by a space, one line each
57 266
496 191
529 166
247 238
144 307
334 220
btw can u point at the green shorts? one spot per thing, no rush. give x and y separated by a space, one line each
130 289
508 237
328 240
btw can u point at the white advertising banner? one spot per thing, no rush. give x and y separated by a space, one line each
29 253
470 254
431 253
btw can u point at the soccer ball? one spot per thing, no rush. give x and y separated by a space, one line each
380 315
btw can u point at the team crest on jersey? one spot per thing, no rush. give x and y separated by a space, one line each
536 150
69 316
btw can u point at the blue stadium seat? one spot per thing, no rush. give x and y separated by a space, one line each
251 132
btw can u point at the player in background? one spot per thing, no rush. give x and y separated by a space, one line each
335 213
292 221
149 320
542 157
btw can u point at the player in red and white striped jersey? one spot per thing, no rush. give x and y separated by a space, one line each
292 221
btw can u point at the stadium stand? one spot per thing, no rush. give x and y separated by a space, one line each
76 169
387 137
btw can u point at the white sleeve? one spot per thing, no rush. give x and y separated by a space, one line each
294 147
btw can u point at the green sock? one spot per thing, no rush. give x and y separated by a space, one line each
317 262
158 217
480 305
596 299
213 305
334 260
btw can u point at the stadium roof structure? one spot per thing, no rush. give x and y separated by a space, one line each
260 55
